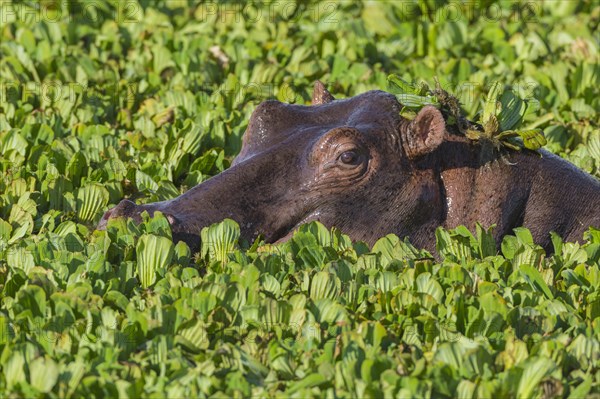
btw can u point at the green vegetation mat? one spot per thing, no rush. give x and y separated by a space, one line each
101 100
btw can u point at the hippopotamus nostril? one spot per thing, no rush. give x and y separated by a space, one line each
108 214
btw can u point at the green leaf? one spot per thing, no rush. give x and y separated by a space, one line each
593 145
220 239
162 58
13 370
455 244
91 104
275 313
77 168
486 241
513 110
401 86
311 380
492 107
410 95
532 139
21 258
324 285
193 335
91 199
158 225
43 374
327 311
535 369
154 254
391 248
144 182
427 285
582 389
534 278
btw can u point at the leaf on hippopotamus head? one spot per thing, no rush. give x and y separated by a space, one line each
401 86
154 254
512 111
491 127
220 239
532 139
411 95
414 101
492 106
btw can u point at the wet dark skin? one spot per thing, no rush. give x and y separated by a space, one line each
358 165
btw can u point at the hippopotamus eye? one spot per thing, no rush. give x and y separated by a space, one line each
349 157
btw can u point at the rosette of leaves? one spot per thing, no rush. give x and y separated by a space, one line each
415 96
219 240
503 113
501 118
412 95
154 254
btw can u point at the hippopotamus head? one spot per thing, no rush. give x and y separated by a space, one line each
351 163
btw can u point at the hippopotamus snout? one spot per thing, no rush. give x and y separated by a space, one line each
125 208
129 209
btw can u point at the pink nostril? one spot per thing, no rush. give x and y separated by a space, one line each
107 214
104 220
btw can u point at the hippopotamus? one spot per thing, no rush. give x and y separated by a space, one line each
360 166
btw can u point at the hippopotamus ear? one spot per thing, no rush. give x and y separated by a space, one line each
424 133
320 94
